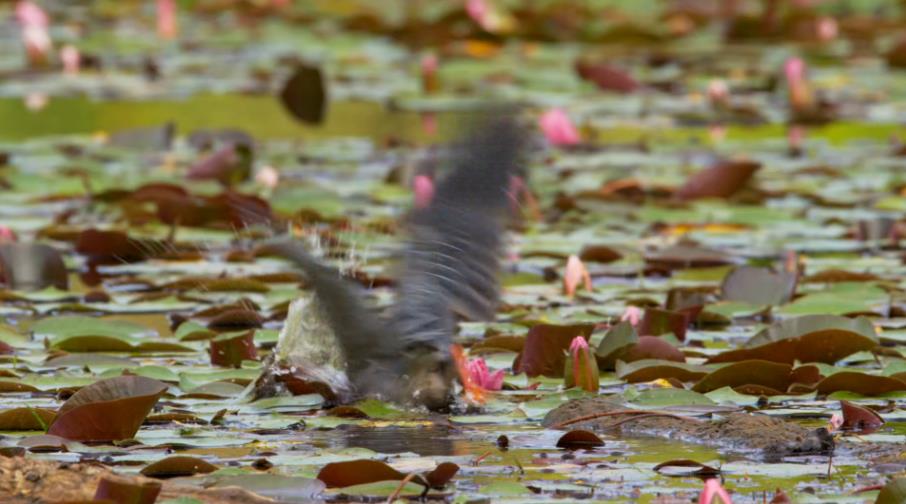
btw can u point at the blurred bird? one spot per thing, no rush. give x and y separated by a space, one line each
449 271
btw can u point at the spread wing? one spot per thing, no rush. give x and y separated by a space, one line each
361 334
451 263
449 270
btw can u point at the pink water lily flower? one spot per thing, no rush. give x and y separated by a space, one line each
34 23
481 376
713 489
166 18
558 128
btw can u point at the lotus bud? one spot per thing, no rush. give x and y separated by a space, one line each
581 367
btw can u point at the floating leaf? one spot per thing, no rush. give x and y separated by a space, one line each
274 486
860 419
758 286
773 375
176 466
115 246
810 338
616 340
357 472
579 440
26 419
652 369
107 410
229 350
442 474
32 266
125 490
686 467
860 383
652 347
722 180
606 77
599 254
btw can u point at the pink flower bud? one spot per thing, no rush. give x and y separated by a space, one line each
558 128
268 177
633 315
582 369
166 19
575 273
827 29
71 60
718 92
429 66
714 489
794 68
30 14
479 11
423 187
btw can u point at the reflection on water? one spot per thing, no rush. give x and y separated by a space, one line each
262 116
425 441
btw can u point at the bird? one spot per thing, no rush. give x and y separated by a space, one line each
449 271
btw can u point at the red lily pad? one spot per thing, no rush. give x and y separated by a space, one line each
860 383
606 77
229 350
26 419
579 439
810 338
722 180
107 410
357 472
652 369
115 246
176 466
652 347
127 491
599 254
441 475
775 376
686 467
859 418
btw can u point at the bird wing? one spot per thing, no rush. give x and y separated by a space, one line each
450 266
360 332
